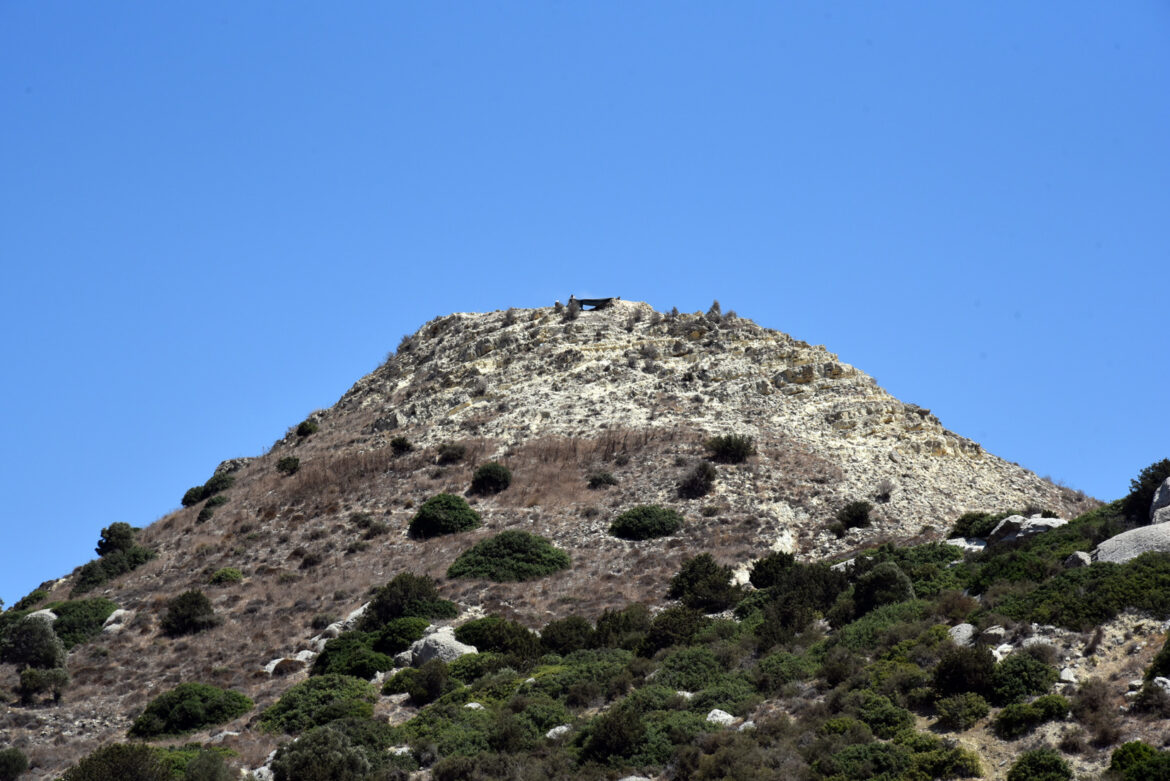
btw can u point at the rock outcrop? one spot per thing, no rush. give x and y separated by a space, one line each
1133 543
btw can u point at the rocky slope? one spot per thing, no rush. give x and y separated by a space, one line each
625 389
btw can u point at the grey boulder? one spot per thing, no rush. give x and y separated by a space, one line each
1133 543
440 644
1017 527
1160 506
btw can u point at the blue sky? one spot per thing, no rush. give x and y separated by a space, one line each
215 217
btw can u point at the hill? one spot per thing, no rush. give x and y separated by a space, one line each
760 444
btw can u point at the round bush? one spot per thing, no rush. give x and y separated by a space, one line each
225 576
443 514
501 636
35 681
188 613
130 761
704 584
404 596
491 478
964 670
1040 765
1020 676
13 762
645 522
31 642
351 653
730 448
690 669
698 482
116 536
601 480
307 427
565 635
961 711
288 465
318 701
321 754
1131 754
401 445
188 707
882 585
854 515
397 635
510 556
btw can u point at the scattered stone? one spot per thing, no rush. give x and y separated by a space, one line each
685 695
557 732
968 544
474 706
1135 684
400 751
1068 675
747 725
1001 651
119 616
440 644
720 717
1017 527
1077 559
1133 543
962 634
1162 683
994 634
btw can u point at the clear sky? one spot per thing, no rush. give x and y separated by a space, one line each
215 217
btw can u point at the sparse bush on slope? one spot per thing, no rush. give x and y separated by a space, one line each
318 701
510 556
491 478
443 514
730 448
646 522
188 613
406 595
188 707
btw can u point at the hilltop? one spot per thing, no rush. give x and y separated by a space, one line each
591 413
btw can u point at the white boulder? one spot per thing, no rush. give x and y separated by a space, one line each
1017 527
968 544
1077 559
1160 506
557 732
720 717
440 644
1133 543
962 634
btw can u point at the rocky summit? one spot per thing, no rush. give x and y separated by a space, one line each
591 414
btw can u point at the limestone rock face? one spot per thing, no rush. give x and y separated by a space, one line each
1133 543
1160 506
1017 527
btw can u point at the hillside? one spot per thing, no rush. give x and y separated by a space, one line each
626 397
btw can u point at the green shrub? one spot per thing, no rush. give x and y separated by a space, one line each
690 669
31 642
617 733
188 707
1020 676
110 566
601 480
217 484
13 762
704 584
115 537
782 667
730 448
401 445
471 667
443 514
81 620
698 481
429 682
882 716
288 465
854 515
351 653
321 754
964 669
961 711
676 625
226 576
491 478
29 600
198 763
318 701
1042 764
123 761
501 636
406 595
883 585
36 681
1160 666
976 524
865 761
565 635
1017 720
645 522
1131 755
771 569
625 628
510 556
1142 488
188 613
307 427
398 634
450 453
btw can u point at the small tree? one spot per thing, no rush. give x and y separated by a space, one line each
704 584
34 682
31 642
13 762
491 478
115 537
188 613
443 514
